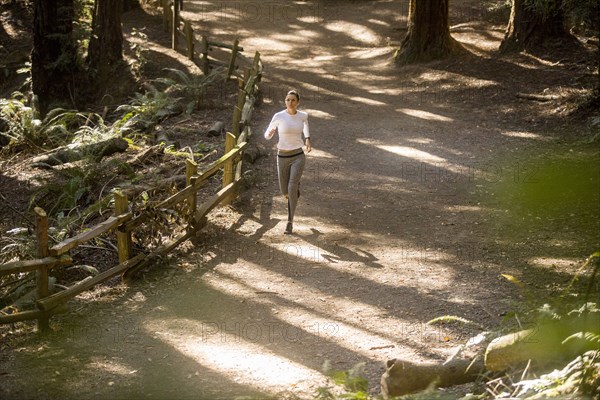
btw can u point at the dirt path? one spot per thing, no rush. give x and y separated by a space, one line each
392 227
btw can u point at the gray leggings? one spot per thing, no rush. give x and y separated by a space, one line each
290 171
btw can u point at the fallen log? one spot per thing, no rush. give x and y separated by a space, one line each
216 129
403 377
27 300
77 152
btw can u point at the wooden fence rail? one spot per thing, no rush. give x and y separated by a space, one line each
172 21
124 223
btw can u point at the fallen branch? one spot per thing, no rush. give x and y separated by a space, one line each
537 97
72 153
140 159
134 190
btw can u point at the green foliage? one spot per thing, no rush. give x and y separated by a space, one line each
25 70
545 8
352 380
58 198
145 110
583 12
593 259
580 12
590 338
19 119
577 377
64 222
154 105
58 127
191 155
192 86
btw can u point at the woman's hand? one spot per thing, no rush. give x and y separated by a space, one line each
308 146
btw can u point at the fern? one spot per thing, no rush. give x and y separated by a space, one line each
146 109
587 337
192 86
58 127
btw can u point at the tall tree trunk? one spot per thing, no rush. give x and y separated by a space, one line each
529 29
597 13
106 43
131 5
53 59
428 37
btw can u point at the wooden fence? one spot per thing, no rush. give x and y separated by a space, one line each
123 222
173 21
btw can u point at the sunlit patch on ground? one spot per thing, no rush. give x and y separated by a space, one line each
234 355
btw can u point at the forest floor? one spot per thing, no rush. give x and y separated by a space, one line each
425 184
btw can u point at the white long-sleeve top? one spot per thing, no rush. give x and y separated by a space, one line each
290 128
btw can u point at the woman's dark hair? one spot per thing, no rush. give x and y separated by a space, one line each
295 93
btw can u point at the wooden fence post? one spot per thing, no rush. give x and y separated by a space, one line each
242 138
230 142
189 39
166 14
175 28
234 52
123 238
204 51
191 169
180 4
41 274
237 111
256 64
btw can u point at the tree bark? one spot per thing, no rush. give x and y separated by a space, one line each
528 29
428 37
131 5
106 42
53 59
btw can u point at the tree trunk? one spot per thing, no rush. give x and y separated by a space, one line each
129 5
53 59
528 29
597 21
106 42
428 37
